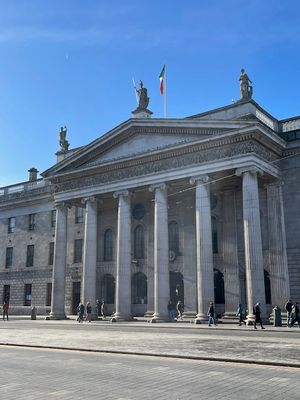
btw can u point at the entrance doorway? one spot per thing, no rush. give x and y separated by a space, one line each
176 287
75 297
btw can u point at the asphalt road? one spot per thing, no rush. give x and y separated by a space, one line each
31 374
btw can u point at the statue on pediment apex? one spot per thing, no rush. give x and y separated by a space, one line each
143 97
64 144
246 89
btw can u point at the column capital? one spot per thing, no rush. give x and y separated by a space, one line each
62 204
277 183
123 193
202 179
160 186
251 170
91 199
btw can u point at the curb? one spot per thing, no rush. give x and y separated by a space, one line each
182 357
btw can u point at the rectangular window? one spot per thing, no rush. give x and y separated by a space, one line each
31 222
27 294
6 293
53 218
79 215
49 294
78 250
9 257
30 255
11 225
51 253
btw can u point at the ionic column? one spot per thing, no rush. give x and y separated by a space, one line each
252 241
161 253
123 263
230 254
204 251
90 253
59 265
279 275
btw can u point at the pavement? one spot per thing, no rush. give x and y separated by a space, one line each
278 346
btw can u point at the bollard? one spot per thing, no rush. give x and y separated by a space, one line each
33 313
277 316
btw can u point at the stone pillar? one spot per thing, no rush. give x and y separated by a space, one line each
90 254
59 265
123 264
161 253
252 241
230 254
279 275
204 251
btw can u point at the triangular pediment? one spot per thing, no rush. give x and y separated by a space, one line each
136 138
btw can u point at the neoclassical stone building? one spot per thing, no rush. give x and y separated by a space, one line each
198 209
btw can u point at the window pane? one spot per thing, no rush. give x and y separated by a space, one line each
27 295
108 245
30 255
51 253
139 242
11 224
49 294
53 218
78 250
31 222
79 215
9 257
6 293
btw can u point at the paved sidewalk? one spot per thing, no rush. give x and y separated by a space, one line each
274 346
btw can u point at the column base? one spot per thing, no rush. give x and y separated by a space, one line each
250 320
159 318
189 315
121 318
200 319
58 316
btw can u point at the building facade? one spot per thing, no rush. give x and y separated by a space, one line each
198 209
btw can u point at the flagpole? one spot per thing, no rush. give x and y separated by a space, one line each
165 93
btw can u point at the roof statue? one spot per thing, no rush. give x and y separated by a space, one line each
64 144
246 89
143 97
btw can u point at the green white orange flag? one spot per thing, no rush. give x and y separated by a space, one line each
162 80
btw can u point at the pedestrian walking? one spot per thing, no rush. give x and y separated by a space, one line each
295 315
80 311
257 313
211 314
288 308
171 310
240 312
5 310
103 309
180 310
98 308
88 312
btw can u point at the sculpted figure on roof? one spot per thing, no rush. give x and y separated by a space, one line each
143 97
246 89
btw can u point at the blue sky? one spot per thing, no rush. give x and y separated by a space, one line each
71 62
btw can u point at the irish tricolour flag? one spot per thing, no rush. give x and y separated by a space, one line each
162 80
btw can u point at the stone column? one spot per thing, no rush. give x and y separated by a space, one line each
230 254
123 264
161 253
279 275
59 265
252 241
204 251
90 254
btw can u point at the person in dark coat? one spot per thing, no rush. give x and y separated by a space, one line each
171 311
240 312
295 315
80 311
5 310
257 313
211 314
88 312
288 308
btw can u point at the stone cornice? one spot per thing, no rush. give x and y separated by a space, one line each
27 195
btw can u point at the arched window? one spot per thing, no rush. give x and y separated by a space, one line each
108 245
267 287
214 229
173 237
139 242
219 287
108 289
139 288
